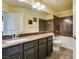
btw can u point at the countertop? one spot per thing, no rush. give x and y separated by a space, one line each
11 42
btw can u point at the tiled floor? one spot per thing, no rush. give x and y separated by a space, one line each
62 54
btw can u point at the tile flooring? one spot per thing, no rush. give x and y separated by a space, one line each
63 53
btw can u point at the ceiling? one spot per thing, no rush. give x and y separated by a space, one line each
59 5
56 5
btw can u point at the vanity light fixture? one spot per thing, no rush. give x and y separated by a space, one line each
38 6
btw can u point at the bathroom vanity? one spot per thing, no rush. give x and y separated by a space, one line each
29 47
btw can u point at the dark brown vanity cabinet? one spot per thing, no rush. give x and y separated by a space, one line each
50 45
42 48
31 50
38 49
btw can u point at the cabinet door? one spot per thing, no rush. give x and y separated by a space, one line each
3 58
16 56
31 53
42 51
50 47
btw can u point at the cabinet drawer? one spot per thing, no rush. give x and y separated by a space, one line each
50 38
11 50
42 41
30 44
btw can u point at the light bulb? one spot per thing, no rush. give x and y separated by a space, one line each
38 4
39 8
42 6
21 0
34 5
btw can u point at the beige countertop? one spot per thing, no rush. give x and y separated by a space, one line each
10 42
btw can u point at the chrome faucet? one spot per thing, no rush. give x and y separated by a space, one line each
14 36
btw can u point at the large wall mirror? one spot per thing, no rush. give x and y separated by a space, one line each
14 23
19 18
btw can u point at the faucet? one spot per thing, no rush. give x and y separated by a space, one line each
15 36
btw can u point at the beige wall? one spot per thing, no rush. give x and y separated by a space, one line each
65 13
28 14
50 16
